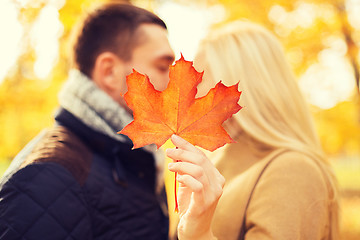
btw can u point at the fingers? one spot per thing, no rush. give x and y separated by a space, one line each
191 161
206 177
187 168
190 182
184 168
190 154
183 144
200 186
198 161
186 156
193 167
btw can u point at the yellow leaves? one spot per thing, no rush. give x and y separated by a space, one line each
339 128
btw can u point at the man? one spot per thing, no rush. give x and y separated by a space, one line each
79 179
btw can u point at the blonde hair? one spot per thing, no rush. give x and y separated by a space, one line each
275 113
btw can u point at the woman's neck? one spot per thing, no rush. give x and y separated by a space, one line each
237 157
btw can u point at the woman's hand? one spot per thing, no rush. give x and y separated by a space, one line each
200 187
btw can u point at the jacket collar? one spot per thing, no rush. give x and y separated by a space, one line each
86 101
97 141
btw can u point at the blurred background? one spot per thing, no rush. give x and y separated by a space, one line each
321 39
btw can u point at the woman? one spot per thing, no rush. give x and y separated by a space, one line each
278 183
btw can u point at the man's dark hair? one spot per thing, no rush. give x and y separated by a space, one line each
112 27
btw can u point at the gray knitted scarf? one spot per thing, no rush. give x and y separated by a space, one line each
82 98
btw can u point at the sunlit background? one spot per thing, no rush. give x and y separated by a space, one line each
321 39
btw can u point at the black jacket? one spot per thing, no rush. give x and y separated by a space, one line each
76 183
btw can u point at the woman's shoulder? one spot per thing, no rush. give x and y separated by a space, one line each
291 198
292 162
296 172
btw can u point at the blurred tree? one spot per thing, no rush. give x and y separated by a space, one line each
27 101
303 27
348 32
339 129
300 25
306 28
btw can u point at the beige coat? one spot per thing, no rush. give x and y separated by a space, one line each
290 200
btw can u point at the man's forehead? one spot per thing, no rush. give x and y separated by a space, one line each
148 31
155 39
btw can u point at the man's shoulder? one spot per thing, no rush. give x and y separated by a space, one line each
34 204
60 145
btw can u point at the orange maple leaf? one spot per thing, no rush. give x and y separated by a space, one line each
158 115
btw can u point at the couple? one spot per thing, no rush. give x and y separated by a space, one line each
81 180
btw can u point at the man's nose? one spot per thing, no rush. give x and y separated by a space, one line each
163 82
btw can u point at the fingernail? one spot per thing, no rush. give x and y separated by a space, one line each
170 165
176 137
169 150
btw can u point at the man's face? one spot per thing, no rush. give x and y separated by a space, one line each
152 57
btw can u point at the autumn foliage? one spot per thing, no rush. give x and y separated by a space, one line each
158 115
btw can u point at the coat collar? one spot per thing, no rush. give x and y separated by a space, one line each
97 141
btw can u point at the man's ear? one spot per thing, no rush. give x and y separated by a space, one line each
108 72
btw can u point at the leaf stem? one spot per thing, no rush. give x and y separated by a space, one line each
175 194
